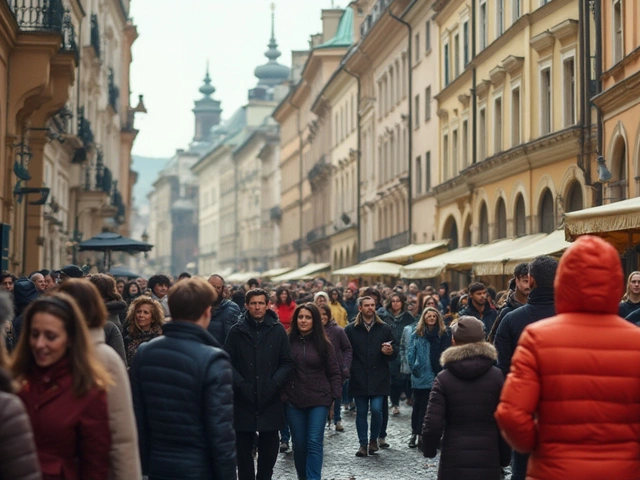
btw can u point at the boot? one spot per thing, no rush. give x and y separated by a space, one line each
362 451
382 442
412 442
373 447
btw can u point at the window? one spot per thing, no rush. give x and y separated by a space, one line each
515 116
392 154
392 89
417 112
427 167
545 101
574 201
569 91
465 144
501 219
618 41
417 47
483 225
547 221
482 134
446 64
399 81
404 76
483 25
499 17
454 153
427 103
380 98
418 175
497 122
427 36
515 10
456 55
353 113
445 157
520 217
465 41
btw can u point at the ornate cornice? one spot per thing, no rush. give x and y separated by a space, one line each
565 31
512 64
543 41
497 75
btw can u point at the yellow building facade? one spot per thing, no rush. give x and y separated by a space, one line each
512 151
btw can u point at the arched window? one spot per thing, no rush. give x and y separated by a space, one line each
483 224
547 223
574 198
466 232
451 232
520 217
501 219
618 185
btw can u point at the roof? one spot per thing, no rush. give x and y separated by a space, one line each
344 34
618 223
302 273
412 253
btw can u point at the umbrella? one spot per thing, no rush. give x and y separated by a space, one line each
122 272
108 242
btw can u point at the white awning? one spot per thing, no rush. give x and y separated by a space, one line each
274 272
503 264
241 277
371 269
462 258
412 253
302 273
618 223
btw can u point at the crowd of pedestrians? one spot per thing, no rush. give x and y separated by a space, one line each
104 378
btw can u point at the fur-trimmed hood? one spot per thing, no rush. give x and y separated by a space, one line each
469 361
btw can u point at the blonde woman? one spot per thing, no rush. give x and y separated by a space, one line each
426 344
631 299
144 322
64 389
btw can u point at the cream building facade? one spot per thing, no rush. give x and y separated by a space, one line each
513 154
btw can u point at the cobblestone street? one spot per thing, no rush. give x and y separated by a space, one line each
399 462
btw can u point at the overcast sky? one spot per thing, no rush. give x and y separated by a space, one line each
177 38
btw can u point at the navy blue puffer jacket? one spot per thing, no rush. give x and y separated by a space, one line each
225 316
183 401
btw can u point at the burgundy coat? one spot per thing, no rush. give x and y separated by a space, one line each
71 433
316 381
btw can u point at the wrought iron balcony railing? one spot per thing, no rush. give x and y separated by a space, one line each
95 34
69 38
114 91
38 15
84 128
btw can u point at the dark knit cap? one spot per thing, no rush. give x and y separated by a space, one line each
467 330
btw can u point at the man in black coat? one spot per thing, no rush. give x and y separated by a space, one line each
183 395
480 307
224 314
262 363
516 297
542 272
372 345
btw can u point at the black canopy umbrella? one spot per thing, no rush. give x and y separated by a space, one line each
123 272
108 242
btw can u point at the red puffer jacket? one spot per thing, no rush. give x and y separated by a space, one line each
572 397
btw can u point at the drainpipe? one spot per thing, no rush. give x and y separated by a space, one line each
583 92
358 159
301 160
474 98
410 113
598 73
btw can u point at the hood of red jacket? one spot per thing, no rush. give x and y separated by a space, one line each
589 278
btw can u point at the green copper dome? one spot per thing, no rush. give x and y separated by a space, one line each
344 34
272 73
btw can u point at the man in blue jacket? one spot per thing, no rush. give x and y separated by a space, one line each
183 395
224 314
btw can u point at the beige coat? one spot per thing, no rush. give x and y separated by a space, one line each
124 458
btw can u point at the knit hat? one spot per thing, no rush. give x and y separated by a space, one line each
321 294
468 330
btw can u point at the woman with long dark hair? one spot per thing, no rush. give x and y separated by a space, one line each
311 390
427 343
284 306
116 307
64 388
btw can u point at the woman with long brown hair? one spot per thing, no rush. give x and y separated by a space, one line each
144 322
64 388
426 344
108 290
124 457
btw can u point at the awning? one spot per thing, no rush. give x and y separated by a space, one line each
371 269
302 273
503 264
462 258
412 253
241 277
274 272
618 223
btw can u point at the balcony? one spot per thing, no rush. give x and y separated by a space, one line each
85 133
38 15
317 234
95 34
275 213
392 243
114 91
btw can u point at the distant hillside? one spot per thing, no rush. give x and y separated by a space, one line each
147 169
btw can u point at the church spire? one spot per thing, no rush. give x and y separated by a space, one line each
272 73
207 89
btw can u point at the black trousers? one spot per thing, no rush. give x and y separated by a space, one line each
420 402
268 444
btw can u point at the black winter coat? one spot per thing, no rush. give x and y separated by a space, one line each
117 312
113 338
487 317
634 317
463 400
509 306
262 363
183 401
370 374
627 308
340 342
397 327
539 306
225 316
437 345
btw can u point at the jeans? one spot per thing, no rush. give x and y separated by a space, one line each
285 434
420 402
362 411
267 454
345 393
307 432
519 466
337 408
